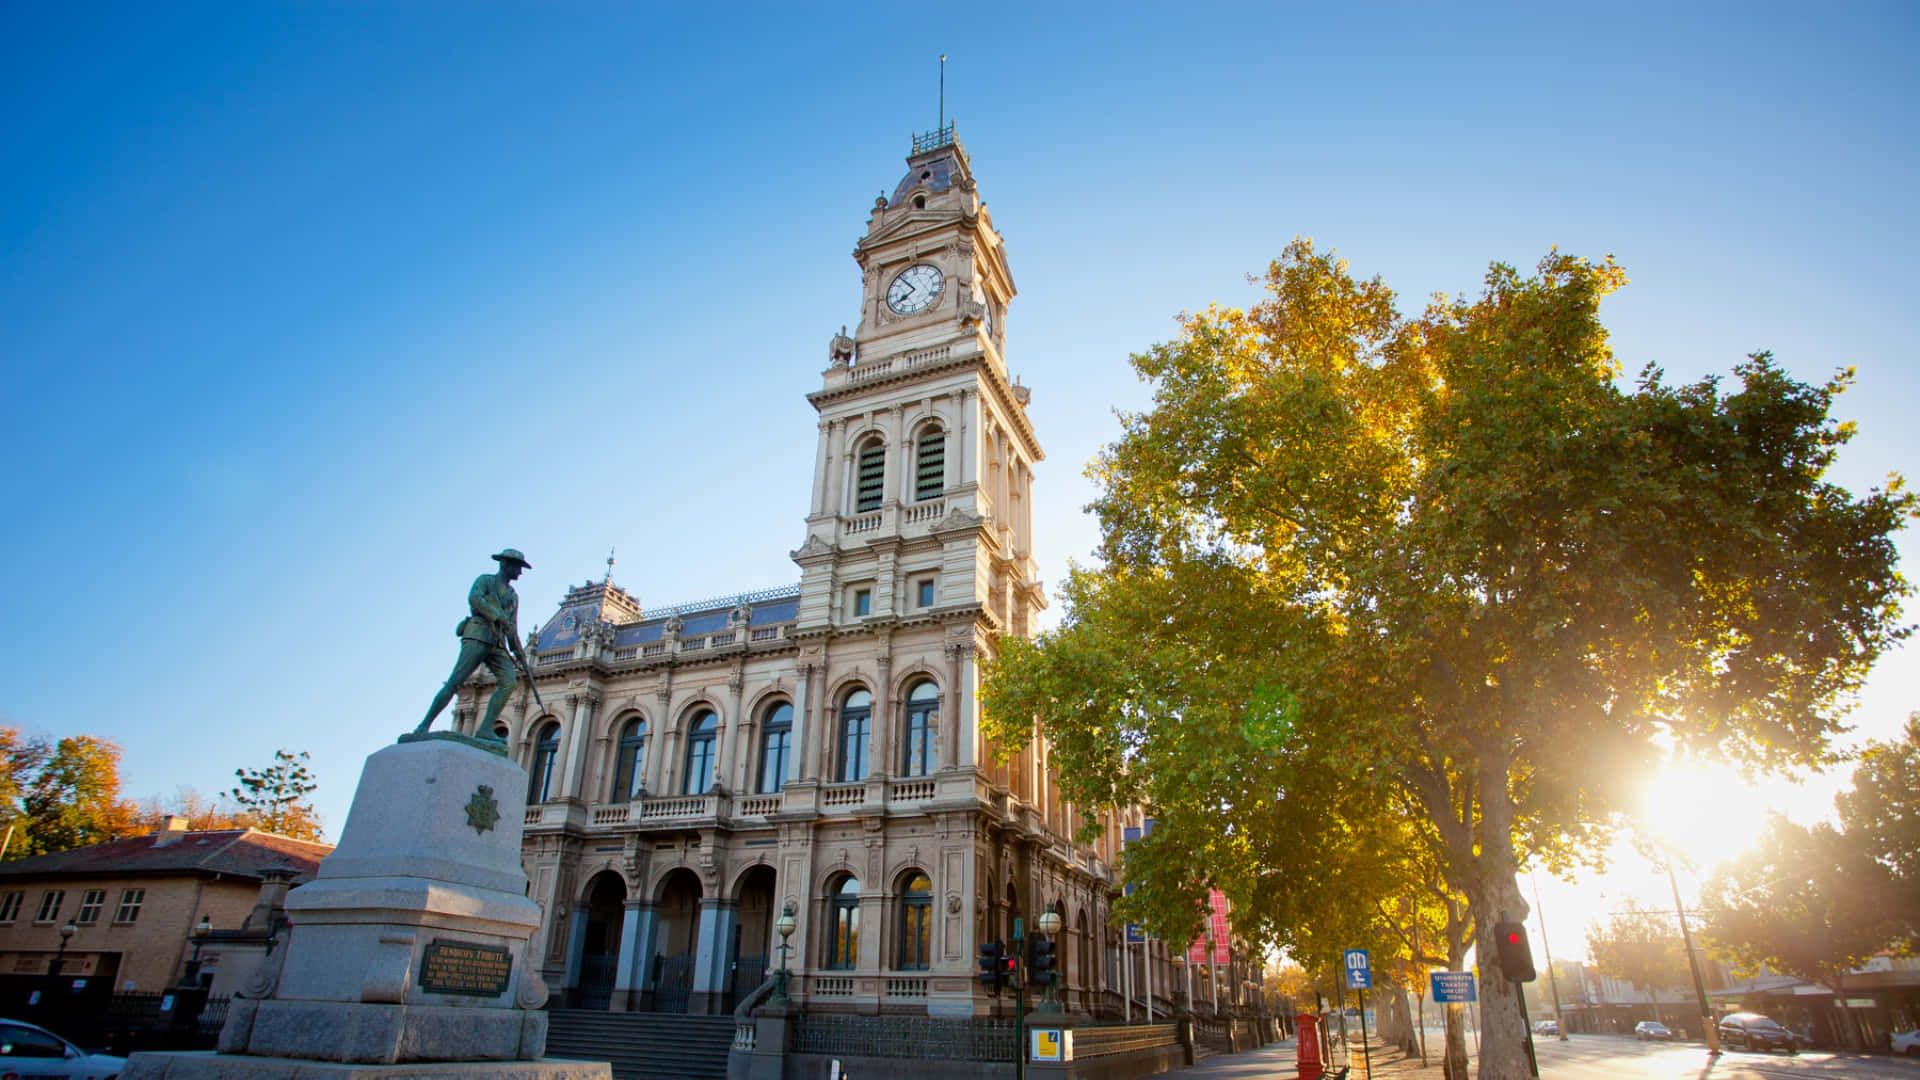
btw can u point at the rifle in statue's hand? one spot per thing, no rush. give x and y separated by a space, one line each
519 656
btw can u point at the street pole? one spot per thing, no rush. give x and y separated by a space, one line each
1366 1052
1708 1027
1559 1017
1019 1002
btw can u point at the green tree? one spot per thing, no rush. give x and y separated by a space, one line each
1352 555
275 799
20 760
73 799
1880 815
1820 901
1641 948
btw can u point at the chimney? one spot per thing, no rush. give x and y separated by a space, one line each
272 901
173 827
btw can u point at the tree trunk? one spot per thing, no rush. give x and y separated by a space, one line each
1503 1035
1454 1064
1396 1020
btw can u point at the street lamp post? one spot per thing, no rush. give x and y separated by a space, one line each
1049 925
67 930
201 930
783 978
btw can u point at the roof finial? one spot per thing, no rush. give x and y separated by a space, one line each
609 580
943 93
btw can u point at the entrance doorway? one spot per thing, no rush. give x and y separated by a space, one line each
600 954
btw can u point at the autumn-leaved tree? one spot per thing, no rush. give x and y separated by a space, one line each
201 812
73 798
275 799
1880 815
1644 949
1450 559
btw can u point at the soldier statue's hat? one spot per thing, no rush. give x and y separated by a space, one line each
514 554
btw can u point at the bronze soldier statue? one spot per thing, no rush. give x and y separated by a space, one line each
490 636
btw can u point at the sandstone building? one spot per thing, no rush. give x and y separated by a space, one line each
697 769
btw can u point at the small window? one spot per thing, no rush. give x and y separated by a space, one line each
863 601
930 466
916 924
871 476
843 949
776 735
923 716
10 906
91 902
700 737
628 773
856 720
546 750
50 902
130 901
923 592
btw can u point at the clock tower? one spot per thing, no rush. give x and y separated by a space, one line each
921 508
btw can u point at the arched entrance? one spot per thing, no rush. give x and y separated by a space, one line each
677 943
753 935
600 951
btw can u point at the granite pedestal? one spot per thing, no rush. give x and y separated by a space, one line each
409 954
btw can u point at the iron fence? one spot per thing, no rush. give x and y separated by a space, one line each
957 1039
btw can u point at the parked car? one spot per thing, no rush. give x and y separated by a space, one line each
29 1050
1652 1031
1751 1031
1546 1027
1905 1042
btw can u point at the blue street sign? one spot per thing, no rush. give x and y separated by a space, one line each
1453 987
1359 970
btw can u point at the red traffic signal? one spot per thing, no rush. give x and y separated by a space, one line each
1516 957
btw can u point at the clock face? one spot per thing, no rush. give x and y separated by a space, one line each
914 290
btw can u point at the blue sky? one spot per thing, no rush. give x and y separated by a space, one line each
307 308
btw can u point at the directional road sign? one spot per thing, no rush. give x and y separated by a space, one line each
1359 970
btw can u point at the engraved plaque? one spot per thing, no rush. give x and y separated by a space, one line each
459 967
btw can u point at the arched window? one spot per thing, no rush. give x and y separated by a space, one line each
870 476
700 753
916 923
546 749
776 732
627 772
843 948
856 722
923 714
930 465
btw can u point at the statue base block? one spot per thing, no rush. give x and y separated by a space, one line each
376 1034
205 1065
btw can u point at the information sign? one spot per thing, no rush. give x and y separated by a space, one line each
459 967
1052 1044
1453 987
1359 970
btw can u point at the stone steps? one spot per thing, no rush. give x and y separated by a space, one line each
644 1046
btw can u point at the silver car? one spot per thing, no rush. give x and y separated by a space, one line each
34 1053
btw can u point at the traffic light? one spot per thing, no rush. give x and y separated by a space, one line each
1040 962
1516 958
992 966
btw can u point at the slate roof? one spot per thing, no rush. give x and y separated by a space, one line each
586 605
228 852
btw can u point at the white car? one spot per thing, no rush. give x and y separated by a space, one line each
28 1050
1905 1042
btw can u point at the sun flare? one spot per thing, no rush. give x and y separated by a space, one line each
1710 813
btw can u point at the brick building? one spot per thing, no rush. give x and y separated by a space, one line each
131 907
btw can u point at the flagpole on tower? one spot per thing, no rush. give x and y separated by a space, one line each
943 93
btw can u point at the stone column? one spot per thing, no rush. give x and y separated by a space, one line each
949 732
638 927
576 946
802 728
714 961
657 739
573 778
883 711
733 728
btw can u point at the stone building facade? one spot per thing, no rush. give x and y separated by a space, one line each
697 769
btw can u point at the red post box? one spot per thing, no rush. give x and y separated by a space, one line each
1306 1028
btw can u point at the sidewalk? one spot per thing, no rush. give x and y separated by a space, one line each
1276 1062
